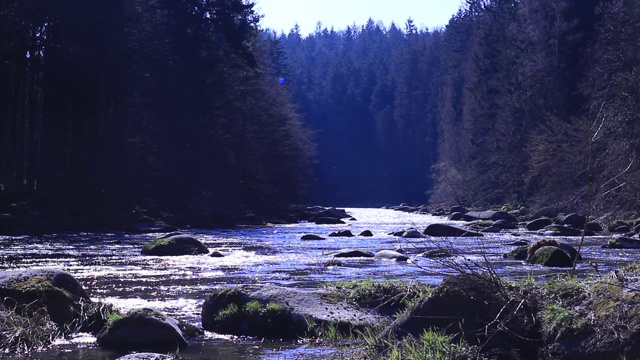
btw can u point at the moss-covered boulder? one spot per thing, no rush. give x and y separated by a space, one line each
143 330
481 310
623 242
550 256
58 292
175 245
519 253
274 312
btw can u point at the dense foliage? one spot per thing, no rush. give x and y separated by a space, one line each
526 102
157 106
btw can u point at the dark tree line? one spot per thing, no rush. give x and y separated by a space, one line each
525 102
162 106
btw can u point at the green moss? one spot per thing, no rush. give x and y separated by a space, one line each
232 311
558 318
33 283
368 293
613 243
155 243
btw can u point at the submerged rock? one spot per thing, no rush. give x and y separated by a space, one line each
623 242
350 253
342 233
175 245
366 233
311 237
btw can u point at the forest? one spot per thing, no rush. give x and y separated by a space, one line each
191 109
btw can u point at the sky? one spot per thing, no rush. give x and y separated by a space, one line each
282 15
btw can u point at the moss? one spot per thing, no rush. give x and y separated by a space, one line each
551 256
558 319
33 283
613 243
229 313
606 296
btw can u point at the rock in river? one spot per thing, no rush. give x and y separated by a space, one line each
390 255
350 253
175 245
448 230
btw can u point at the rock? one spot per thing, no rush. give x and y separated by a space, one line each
64 299
623 242
619 227
438 253
573 220
216 254
570 250
174 246
342 233
504 224
366 233
397 233
456 216
327 221
539 224
457 209
466 308
519 253
518 243
561 230
350 253
550 256
149 227
311 237
275 312
143 330
147 356
489 215
444 230
412 234
390 255
594 227
491 229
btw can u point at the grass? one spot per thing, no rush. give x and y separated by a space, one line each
432 345
563 320
24 334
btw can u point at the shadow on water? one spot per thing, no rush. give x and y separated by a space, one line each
111 268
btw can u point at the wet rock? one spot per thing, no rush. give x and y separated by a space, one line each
561 230
491 229
538 224
143 330
412 234
518 243
504 224
594 227
445 230
311 237
275 312
550 256
351 253
342 233
438 253
489 215
366 233
619 227
327 221
174 246
570 250
623 242
519 253
216 254
573 220
390 255
457 209
456 216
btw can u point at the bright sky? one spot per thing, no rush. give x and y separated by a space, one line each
282 15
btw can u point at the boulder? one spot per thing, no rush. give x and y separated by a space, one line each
311 237
342 233
351 253
594 227
489 215
174 246
550 256
327 221
539 224
456 216
412 234
216 254
491 229
561 230
573 220
623 242
474 308
444 230
519 253
570 250
619 227
457 209
274 312
64 299
504 224
390 255
143 330
438 253
366 233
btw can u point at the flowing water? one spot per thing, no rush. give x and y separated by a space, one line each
111 268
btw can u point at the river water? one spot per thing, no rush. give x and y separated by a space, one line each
111 268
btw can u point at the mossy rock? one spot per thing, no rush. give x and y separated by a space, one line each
175 245
143 330
551 256
56 291
519 253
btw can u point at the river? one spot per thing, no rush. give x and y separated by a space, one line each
111 268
